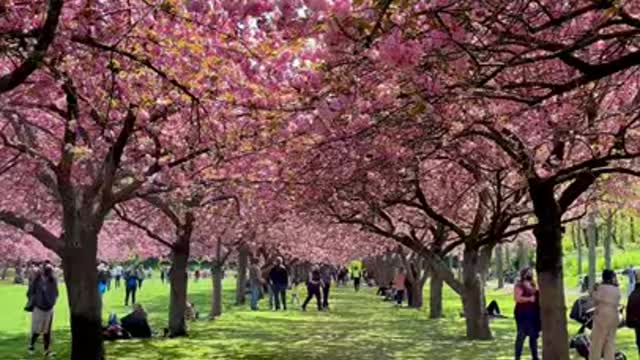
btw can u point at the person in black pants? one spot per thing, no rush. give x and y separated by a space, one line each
279 280
313 288
633 311
131 286
326 286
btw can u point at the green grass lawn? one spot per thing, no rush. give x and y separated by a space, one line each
359 326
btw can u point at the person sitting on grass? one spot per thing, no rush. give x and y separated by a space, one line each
114 331
191 313
136 323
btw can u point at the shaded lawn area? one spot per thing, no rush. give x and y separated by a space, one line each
359 326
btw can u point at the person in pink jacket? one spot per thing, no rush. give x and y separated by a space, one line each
399 284
606 297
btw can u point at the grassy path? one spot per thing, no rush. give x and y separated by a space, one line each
359 326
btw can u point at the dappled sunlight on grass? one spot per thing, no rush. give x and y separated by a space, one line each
359 326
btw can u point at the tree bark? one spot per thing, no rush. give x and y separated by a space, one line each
578 239
417 294
216 305
5 269
473 300
243 260
507 258
179 284
499 267
632 230
592 235
608 253
523 255
435 296
548 234
81 278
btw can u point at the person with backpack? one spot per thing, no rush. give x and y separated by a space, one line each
527 313
42 296
606 298
131 286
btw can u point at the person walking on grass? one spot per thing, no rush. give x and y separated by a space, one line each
633 311
606 298
255 283
399 285
42 296
116 273
131 286
527 313
140 275
326 286
356 274
279 281
313 288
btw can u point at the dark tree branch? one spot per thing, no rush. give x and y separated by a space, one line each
48 240
19 75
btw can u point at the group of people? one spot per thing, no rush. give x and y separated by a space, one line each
602 313
133 277
277 280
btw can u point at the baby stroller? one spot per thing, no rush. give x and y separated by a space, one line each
582 311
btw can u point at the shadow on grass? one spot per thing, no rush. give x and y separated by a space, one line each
359 326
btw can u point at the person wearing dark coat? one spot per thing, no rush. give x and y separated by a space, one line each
279 281
136 323
633 311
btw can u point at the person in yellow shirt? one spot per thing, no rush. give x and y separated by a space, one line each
355 269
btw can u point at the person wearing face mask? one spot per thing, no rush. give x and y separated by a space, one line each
527 313
606 297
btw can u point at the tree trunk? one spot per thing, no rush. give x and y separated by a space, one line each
592 234
179 283
243 260
417 291
216 305
507 258
499 267
523 255
435 296
548 233
5 269
632 230
81 278
578 239
473 299
608 253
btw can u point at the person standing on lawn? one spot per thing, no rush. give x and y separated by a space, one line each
279 280
313 288
42 296
527 313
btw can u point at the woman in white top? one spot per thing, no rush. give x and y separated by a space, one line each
606 297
